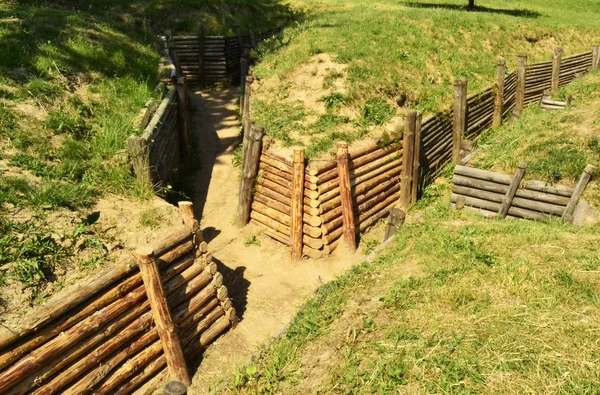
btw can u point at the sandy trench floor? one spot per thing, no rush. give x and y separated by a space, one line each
265 286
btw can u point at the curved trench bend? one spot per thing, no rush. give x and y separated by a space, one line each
265 286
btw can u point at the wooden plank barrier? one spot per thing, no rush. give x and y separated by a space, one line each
499 195
346 197
376 172
124 329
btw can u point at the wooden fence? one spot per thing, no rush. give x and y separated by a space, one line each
215 59
159 154
124 330
381 177
500 195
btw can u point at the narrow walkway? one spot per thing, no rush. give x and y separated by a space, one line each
265 286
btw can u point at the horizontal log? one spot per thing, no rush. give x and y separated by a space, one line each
312 220
286 220
283 175
482 174
492 206
379 211
503 188
541 186
273 162
154 376
271 223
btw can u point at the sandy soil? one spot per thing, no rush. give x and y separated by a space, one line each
266 287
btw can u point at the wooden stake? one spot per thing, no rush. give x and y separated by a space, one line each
520 93
297 204
460 116
346 196
416 158
408 148
499 102
512 190
596 57
137 148
184 116
238 34
246 124
187 213
395 219
244 67
165 327
556 60
249 171
579 188
201 52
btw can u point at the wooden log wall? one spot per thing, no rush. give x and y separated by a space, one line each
486 191
573 65
101 336
220 55
436 145
163 134
480 113
375 187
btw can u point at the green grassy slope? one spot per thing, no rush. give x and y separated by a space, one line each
73 76
461 304
407 54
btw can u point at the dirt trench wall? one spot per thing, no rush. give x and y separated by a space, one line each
101 336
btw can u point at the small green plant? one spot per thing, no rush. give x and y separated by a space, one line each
236 161
369 246
376 112
151 218
333 100
252 241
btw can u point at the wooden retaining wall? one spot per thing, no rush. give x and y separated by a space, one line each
376 172
494 194
375 187
158 155
214 59
102 336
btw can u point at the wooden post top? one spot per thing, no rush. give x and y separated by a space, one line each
522 57
523 165
257 132
501 62
460 81
249 79
182 80
590 169
411 116
299 155
342 152
144 255
558 50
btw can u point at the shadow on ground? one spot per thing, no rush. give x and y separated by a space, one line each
521 13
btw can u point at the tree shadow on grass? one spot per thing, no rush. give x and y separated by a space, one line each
520 13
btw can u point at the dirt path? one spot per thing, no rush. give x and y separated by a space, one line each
265 286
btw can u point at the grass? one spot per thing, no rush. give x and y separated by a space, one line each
458 305
73 77
405 54
555 145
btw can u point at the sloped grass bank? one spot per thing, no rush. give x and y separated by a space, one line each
458 304
404 54
73 77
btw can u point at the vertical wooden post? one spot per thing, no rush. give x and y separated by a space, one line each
596 57
249 171
297 204
556 60
137 149
240 40
416 159
244 68
579 188
499 102
395 219
246 113
512 190
346 196
184 117
520 94
460 116
201 52
408 149
252 37
167 332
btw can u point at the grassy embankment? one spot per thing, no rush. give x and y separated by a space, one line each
73 76
374 59
460 304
